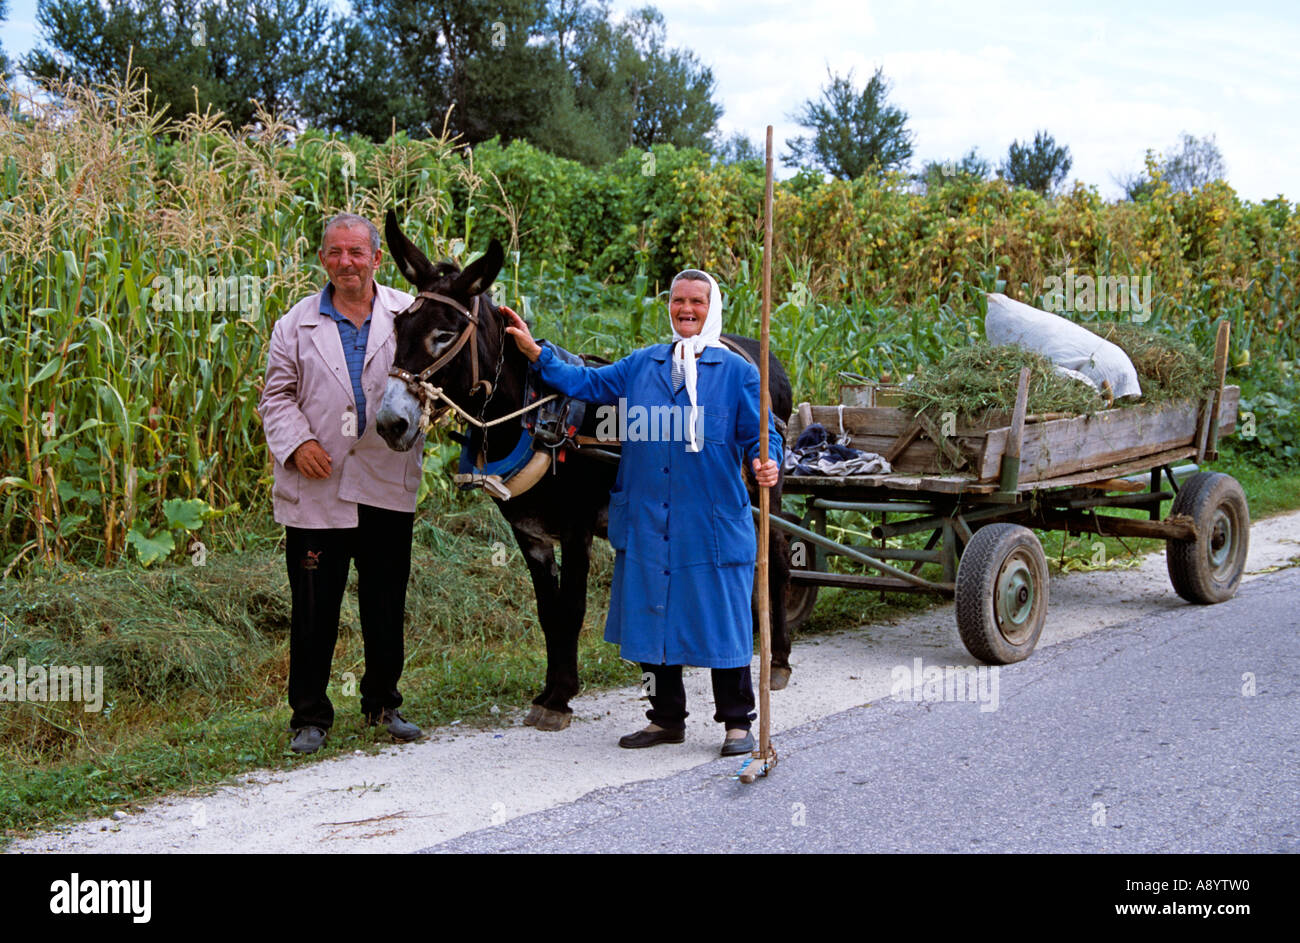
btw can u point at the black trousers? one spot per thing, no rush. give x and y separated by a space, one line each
318 562
733 695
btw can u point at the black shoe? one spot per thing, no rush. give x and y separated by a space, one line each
739 745
648 738
307 740
397 725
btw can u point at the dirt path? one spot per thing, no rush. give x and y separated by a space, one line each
410 797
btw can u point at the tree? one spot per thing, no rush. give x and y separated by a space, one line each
475 58
738 148
1136 185
4 60
590 117
560 73
854 132
566 22
268 50
91 42
1040 167
627 88
221 52
1196 163
364 93
971 168
670 91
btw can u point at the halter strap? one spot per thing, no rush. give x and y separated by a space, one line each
466 336
426 392
452 302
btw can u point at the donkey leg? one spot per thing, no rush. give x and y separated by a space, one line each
778 577
539 556
562 639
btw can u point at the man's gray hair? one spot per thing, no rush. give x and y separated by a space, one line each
350 220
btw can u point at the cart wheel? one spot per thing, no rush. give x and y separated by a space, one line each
800 598
1208 569
1002 593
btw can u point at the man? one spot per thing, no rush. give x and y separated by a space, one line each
340 492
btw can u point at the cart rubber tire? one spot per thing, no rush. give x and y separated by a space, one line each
799 598
1002 593
1208 569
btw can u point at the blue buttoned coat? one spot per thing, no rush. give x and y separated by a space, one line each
679 522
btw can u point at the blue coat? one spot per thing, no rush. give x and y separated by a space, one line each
679 522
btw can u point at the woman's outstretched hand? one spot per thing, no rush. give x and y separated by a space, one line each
766 473
523 337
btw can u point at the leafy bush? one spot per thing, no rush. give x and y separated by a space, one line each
1268 423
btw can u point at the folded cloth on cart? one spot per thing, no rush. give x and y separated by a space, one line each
1077 352
814 453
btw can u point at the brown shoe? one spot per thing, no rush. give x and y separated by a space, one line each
649 738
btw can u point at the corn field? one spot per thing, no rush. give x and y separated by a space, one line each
144 264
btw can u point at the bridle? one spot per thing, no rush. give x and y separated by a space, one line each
428 395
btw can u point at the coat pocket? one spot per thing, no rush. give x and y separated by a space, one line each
716 424
733 532
286 485
415 467
618 520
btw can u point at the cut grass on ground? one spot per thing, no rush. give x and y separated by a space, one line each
196 663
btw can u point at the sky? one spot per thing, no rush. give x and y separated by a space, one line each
1109 79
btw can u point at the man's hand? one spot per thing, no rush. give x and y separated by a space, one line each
523 337
310 459
766 473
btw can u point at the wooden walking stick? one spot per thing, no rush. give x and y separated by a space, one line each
764 757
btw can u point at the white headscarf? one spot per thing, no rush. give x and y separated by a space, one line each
687 348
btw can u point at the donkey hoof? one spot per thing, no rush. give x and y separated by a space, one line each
534 715
553 720
780 678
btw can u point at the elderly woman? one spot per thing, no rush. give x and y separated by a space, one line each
679 515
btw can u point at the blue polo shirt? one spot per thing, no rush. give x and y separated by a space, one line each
354 341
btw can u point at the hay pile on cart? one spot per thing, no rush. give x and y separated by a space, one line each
980 479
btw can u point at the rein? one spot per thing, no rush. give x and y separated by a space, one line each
427 394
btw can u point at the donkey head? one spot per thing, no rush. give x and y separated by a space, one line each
430 328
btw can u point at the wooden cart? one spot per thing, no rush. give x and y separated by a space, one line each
981 491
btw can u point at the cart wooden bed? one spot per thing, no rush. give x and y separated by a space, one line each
981 491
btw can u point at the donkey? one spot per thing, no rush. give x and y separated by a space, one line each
453 319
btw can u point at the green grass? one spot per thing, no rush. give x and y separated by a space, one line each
196 663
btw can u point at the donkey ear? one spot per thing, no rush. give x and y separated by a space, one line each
480 274
413 263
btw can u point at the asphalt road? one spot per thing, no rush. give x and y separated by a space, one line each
1178 732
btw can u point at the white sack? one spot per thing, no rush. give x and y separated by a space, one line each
1061 341
1076 375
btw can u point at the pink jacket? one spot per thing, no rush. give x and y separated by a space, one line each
308 395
